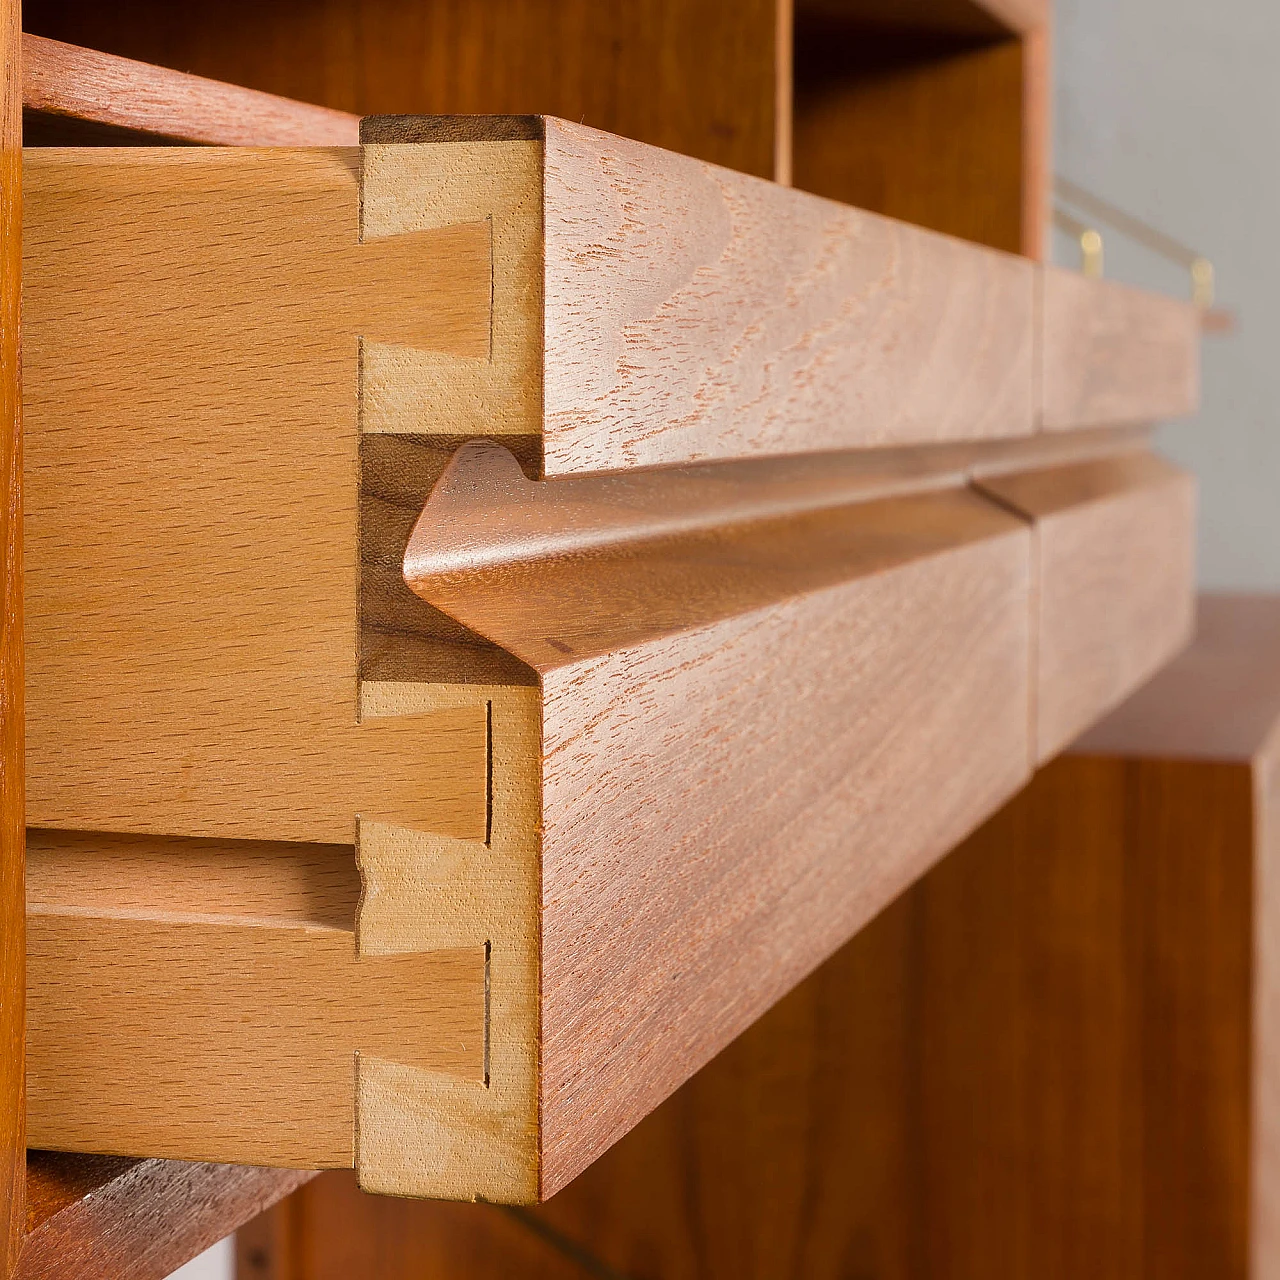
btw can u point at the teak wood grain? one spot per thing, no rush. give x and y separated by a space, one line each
775 322
68 91
12 1105
695 76
569 609
1115 576
1111 353
937 141
119 1219
607 816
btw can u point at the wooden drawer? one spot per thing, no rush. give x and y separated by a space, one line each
437 804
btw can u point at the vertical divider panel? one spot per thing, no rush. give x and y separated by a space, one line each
12 832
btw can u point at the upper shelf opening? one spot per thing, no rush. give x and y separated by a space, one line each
991 19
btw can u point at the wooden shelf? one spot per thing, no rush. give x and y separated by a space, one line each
79 97
498 881
112 1218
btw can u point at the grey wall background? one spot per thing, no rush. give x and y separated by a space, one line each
1171 110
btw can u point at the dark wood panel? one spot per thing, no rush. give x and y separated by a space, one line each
332 1231
78 97
695 77
11 687
938 131
108 1218
965 17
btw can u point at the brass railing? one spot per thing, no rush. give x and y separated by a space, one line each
1073 197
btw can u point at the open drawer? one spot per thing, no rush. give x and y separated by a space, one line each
505 602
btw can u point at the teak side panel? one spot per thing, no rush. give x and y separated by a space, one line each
1033 1065
691 874
1115 581
695 76
1110 353
947 140
722 316
122 1219
64 85
1264 1155
337 1233
12 906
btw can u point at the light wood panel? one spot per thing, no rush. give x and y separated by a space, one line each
177 483
1111 353
1115 566
12 1105
73 96
105 1218
225 1005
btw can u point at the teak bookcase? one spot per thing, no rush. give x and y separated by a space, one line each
508 594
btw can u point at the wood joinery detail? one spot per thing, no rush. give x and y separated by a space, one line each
421 1131
414 191
729 337
464 538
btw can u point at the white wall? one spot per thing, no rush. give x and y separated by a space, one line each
1171 109
217 1263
